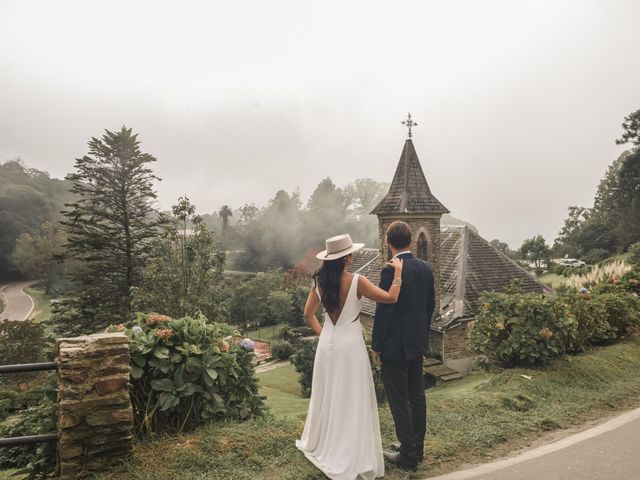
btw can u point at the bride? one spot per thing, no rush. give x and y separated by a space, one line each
342 432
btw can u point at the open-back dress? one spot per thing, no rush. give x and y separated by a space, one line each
342 432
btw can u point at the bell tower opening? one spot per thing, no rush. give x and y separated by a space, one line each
422 246
410 199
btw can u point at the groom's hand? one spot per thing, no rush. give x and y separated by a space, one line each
376 358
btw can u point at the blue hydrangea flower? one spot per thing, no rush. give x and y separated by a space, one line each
136 329
583 291
247 344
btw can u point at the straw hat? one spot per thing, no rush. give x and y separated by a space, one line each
339 246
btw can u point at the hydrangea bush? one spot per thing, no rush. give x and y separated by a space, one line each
184 373
532 329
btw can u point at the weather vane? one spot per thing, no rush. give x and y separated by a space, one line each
409 124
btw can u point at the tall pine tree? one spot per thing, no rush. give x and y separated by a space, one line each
110 227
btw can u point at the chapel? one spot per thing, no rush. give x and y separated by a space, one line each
464 264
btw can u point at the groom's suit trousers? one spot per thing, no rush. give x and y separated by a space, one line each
404 386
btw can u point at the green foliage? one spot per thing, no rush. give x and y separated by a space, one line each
109 226
302 360
184 374
631 127
280 234
531 329
596 255
634 258
38 255
279 306
184 275
611 224
536 250
36 410
518 328
249 303
281 349
23 342
621 312
224 213
591 326
28 198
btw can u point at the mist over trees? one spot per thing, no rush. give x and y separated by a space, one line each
280 234
28 199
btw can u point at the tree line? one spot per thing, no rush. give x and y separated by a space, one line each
611 226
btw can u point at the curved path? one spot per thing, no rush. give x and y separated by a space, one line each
18 305
605 452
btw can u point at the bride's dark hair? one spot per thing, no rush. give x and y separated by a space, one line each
328 279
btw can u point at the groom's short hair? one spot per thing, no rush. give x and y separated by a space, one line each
399 235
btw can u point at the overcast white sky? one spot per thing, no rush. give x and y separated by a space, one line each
518 102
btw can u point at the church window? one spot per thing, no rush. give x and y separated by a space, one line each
422 246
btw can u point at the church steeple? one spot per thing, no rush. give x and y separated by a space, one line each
410 199
409 192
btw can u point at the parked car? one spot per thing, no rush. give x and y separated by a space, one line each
572 262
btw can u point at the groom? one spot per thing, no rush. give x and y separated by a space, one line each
400 341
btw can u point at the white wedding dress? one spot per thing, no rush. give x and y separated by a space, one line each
342 432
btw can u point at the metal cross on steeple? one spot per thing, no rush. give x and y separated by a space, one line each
409 124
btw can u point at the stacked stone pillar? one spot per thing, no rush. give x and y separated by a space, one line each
95 417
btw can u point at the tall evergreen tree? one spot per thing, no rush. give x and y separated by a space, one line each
110 226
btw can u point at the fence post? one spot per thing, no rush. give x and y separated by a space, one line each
95 417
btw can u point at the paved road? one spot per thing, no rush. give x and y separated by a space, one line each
18 304
610 451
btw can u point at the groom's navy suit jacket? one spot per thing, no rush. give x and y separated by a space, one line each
401 330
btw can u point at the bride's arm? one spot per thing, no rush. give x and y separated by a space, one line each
377 294
310 311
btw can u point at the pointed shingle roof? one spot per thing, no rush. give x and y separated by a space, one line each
469 265
409 192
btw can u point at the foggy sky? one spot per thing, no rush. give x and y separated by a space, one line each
518 103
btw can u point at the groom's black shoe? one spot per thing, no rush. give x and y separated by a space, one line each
400 461
395 446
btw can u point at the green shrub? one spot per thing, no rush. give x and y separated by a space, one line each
621 311
281 349
531 329
23 342
595 255
297 334
591 325
556 268
302 359
184 373
36 411
634 258
521 328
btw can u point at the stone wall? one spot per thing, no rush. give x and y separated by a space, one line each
435 342
95 417
456 342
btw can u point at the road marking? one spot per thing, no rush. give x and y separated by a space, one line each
33 303
5 300
569 441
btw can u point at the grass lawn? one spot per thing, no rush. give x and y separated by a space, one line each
267 334
42 309
482 417
282 390
552 279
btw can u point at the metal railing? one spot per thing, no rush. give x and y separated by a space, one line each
28 439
